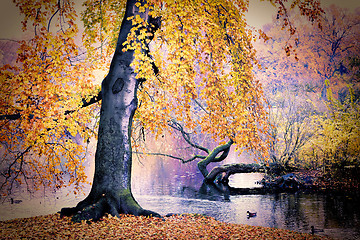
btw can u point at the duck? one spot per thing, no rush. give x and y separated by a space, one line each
314 230
251 214
12 201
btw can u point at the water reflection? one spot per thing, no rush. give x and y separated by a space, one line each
296 212
40 203
246 180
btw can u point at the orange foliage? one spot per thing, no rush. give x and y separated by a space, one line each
49 81
204 78
205 57
187 226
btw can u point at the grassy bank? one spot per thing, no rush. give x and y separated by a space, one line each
131 227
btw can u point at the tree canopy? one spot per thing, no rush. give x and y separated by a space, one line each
197 70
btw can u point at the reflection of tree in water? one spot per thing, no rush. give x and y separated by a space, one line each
293 213
324 211
163 176
215 191
286 209
343 208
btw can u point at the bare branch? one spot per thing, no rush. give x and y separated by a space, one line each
174 157
10 169
93 100
10 116
8 39
177 126
49 23
201 106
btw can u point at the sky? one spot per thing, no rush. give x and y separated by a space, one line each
260 13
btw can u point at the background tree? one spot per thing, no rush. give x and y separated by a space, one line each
325 56
290 129
325 63
335 146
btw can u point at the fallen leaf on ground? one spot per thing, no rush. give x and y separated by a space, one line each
187 226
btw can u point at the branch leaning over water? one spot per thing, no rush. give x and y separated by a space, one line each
174 157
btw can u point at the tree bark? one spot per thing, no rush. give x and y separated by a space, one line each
111 189
223 172
224 149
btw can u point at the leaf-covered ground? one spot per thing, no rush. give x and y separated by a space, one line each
131 227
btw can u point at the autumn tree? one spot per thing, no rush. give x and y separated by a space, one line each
325 56
290 128
190 65
335 146
184 64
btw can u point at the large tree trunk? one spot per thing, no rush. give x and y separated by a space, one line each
111 189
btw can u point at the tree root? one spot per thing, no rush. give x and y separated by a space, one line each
93 210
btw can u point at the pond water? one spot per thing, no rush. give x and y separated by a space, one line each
296 212
337 216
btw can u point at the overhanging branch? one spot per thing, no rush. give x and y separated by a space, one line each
229 169
10 116
93 100
201 106
225 148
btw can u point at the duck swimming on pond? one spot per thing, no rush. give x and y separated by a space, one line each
314 230
251 214
12 201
